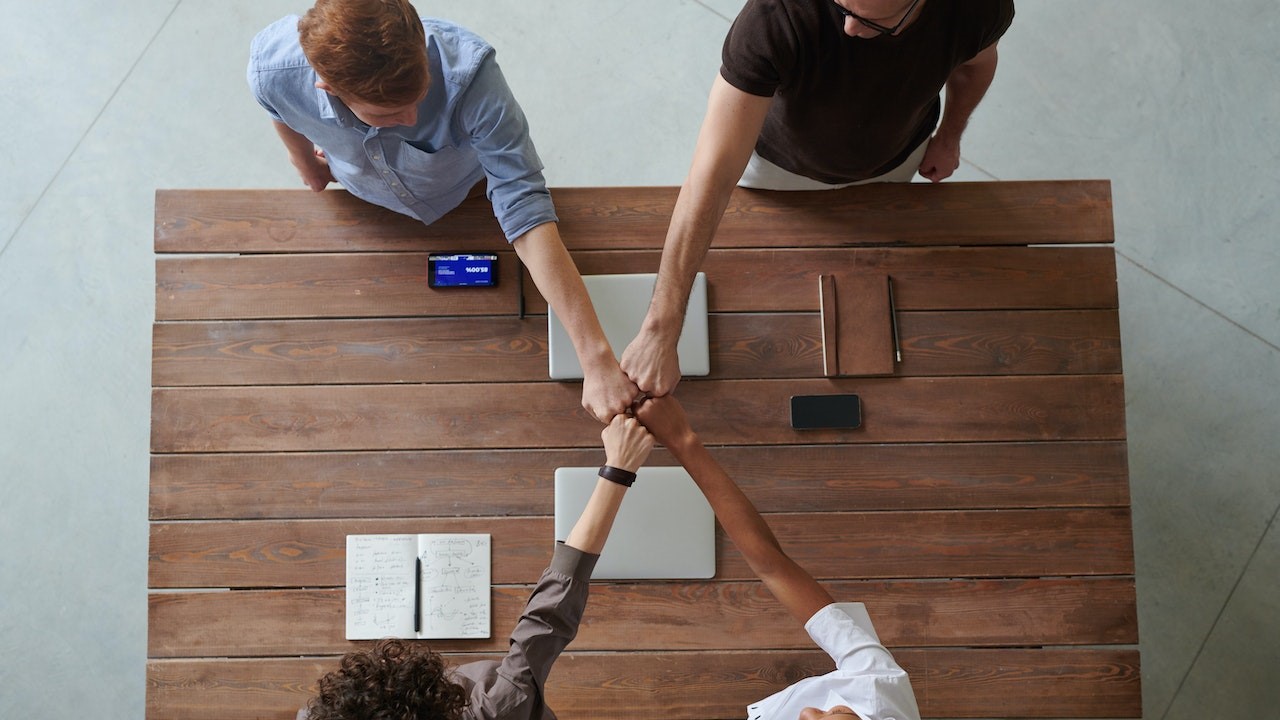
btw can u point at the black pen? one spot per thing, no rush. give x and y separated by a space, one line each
893 321
520 275
417 596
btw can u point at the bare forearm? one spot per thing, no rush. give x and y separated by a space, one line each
725 142
696 217
592 529
791 584
737 515
966 87
626 446
299 147
554 272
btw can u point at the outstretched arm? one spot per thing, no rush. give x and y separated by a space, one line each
728 134
606 390
626 446
791 584
550 620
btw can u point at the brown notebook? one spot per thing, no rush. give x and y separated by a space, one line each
857 324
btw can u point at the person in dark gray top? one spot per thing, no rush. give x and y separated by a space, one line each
396 679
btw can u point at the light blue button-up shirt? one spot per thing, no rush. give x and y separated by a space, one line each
469 127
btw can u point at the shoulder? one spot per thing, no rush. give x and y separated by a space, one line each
991 15
987 19
276 47
782 16
459 51
769 41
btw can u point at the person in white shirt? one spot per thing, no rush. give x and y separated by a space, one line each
867 683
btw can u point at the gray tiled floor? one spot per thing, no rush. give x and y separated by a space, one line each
1174 101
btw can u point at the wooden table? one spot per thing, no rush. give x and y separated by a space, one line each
308 384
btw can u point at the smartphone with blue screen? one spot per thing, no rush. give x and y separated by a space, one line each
446 270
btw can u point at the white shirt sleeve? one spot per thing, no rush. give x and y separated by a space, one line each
845 632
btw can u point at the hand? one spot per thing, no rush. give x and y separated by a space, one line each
607 392
652 363
626 443
665 418
941 158
314 170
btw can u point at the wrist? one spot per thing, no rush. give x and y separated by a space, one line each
303 161
617 475
610 461
664 319
598 358
684 444
948 133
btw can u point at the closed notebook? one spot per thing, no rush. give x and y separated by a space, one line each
621 303
665 528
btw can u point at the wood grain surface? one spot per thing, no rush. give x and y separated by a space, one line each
307 384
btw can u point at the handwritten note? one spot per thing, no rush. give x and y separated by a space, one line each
455 585
453 590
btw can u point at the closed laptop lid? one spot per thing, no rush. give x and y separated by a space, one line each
665 528
621 302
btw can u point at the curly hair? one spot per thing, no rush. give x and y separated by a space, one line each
390 681
374 51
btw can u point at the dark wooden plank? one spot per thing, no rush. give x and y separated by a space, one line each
394 284
1074 683
312 352
211 221
947 683
1018 213
302 553
981 278
998 343
488 349
308 286
802 478
1042 342
920 544
549 415
729 615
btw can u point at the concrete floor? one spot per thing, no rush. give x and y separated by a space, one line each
1175 101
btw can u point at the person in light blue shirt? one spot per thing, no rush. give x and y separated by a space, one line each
414 114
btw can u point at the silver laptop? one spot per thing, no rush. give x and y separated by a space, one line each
664 530
621 302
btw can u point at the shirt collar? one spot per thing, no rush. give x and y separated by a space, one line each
331 108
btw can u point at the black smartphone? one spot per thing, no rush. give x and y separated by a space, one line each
812 412
446 270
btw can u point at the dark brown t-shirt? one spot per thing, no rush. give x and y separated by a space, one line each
844 108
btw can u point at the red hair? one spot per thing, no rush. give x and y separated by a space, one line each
372 51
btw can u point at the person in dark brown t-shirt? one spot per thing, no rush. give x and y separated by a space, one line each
816 94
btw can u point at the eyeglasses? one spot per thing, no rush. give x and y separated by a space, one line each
875 25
